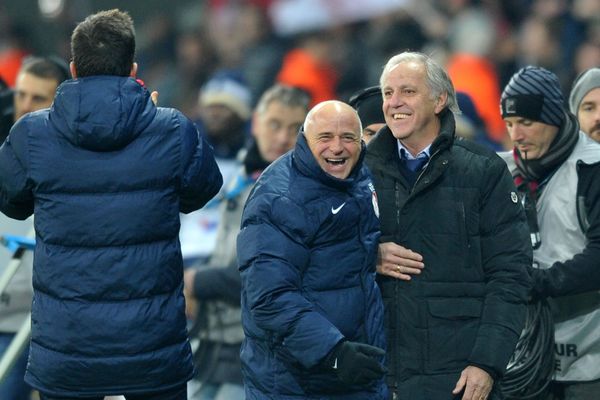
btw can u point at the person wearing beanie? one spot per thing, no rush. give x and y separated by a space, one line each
555 168
368 104
584 102
225 108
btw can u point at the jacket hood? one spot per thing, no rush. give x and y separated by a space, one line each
101 113
306 163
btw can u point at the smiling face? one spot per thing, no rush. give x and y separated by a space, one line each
408 105
531 138
333 133
589 114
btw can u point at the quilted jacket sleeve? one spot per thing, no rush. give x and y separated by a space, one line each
506 254
16 197
201 178
272 255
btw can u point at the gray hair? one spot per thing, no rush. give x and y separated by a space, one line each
437 78
288 96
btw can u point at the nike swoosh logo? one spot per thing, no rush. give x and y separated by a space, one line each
337 210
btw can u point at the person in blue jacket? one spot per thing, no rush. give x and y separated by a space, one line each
106 174
311 310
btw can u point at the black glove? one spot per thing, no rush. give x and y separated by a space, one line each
538 280
356 363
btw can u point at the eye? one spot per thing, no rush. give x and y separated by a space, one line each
274 125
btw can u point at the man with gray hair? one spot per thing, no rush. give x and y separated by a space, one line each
453 251
584 102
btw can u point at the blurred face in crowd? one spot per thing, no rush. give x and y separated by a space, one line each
276 128
409 109
531 138
33 93
333 133
220 121
589 114
369 132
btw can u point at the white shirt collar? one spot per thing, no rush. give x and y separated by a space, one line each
423 154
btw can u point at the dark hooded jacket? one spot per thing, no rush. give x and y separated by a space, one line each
307 252
106 174
467 307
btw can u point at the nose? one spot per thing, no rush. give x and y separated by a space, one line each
394 99
336 145
515 133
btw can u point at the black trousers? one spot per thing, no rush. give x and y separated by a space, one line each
178 393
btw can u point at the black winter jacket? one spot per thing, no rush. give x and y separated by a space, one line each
467 307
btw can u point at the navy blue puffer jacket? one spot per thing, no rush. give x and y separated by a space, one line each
106 174
307 253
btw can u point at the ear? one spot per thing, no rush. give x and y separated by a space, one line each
441 102
73 70
134 68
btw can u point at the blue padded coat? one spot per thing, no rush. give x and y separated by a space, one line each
307 253
106 174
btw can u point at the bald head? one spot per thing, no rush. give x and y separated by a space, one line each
333 132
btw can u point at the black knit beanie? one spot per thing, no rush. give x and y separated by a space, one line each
534 93
368 104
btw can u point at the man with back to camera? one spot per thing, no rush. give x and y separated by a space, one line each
368 103
557 171
35 87
454 250
584 102
107 180
311 310
215 286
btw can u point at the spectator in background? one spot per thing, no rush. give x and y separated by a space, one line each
225 108
584 102
472 37
311 310
36 85
309 66
368 104
107 173
449 217
35 88
215 286
557 171
469 124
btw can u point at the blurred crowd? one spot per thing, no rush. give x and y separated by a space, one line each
333 49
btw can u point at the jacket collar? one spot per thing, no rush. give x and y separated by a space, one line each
305 162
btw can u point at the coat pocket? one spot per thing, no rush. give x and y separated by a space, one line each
452 329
